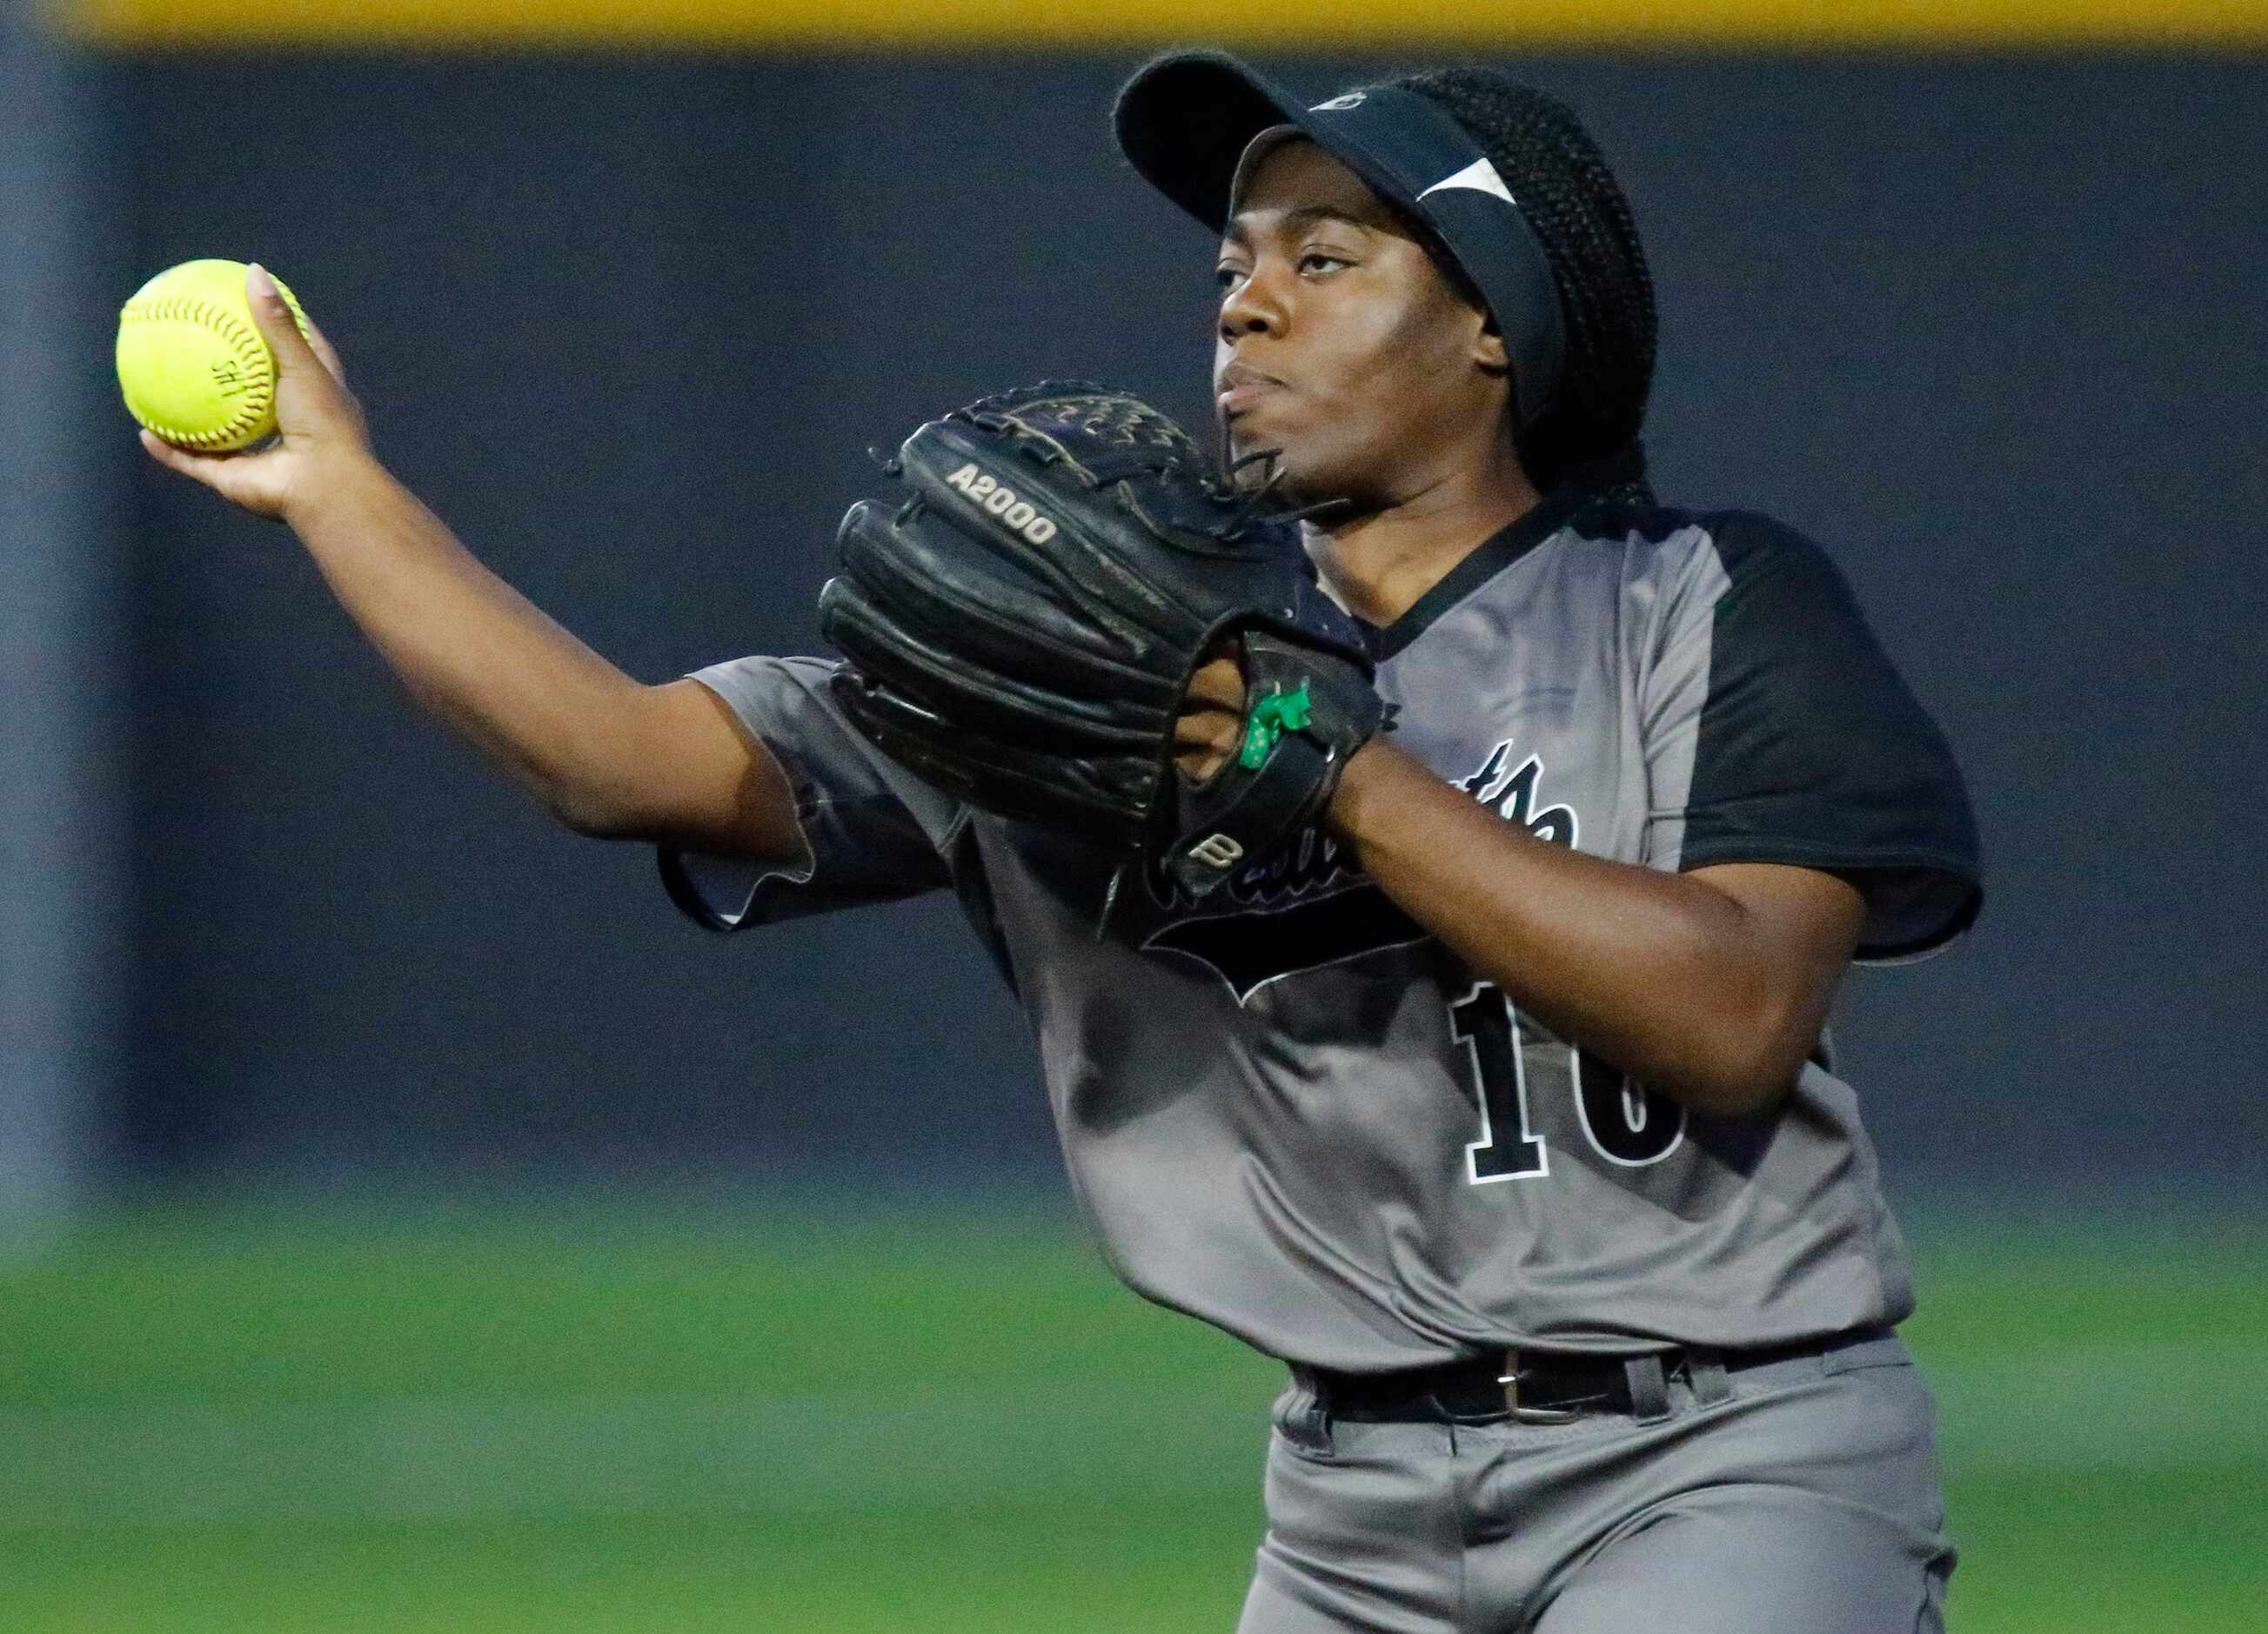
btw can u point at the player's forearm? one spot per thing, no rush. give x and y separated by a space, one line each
1657 973
475 652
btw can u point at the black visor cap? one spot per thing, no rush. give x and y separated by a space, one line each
1185 121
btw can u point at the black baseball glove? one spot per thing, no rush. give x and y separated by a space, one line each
1021 631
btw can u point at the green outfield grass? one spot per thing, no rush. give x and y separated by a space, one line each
659 1418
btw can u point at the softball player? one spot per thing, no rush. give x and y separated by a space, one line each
1500 1108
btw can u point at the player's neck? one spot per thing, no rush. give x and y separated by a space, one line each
1377 565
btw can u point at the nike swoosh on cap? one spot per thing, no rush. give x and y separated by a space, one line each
1480 176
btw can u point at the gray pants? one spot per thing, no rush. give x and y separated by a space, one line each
1797 1497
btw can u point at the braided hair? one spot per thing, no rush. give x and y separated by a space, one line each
1578 211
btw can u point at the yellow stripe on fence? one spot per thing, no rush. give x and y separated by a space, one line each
1313 24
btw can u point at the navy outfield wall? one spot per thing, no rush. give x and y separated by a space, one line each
1990 328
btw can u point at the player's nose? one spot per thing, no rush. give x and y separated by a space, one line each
1252 306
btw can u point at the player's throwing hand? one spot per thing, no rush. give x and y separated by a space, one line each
318 422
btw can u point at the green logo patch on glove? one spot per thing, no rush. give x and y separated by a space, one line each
1272 717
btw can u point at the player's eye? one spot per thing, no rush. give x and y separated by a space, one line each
1322 260
1227 277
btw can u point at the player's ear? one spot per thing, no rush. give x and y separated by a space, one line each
1489 354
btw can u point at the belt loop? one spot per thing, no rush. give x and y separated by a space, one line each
1309 1421
1649 1391
1704 1370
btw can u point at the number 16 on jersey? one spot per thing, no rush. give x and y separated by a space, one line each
1523 1083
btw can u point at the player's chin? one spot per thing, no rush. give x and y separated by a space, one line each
1265 453
1301 466
1304 474
1242 440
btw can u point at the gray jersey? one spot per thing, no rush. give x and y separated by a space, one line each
1292 1111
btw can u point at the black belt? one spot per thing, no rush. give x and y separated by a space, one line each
1539 1385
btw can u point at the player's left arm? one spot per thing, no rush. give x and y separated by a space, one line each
1808 809
1712 985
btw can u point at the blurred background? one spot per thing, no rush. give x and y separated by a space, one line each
408 1223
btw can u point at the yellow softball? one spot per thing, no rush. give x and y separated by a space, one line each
192 364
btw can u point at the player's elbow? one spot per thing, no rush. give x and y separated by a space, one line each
594 796
656 763
1750 1070
1751 1093
593 817
1734 1059
598 806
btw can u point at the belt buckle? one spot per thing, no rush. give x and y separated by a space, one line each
1509 1379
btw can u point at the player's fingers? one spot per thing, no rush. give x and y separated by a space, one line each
1219 684
1198 765
325 352
273 313
239 481
175 457
1208 729
311 399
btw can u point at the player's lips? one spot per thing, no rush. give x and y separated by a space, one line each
1238 387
